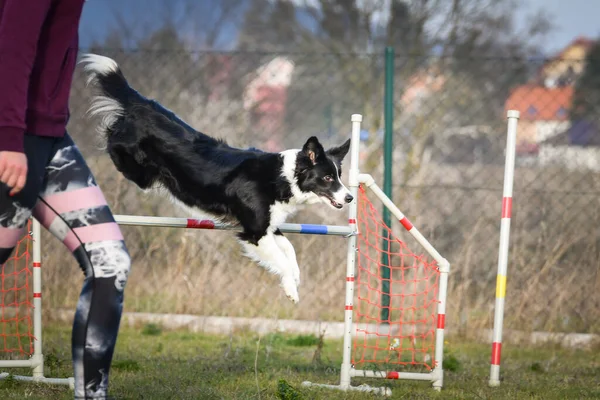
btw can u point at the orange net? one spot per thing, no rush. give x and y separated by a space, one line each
407 337
15 301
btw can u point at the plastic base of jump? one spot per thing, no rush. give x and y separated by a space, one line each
435 376
41 379
384 391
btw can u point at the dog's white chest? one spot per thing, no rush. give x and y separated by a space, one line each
279 213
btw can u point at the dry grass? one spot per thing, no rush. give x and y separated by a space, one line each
553 279
553 272
553 276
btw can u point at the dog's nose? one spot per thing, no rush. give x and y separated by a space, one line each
348 198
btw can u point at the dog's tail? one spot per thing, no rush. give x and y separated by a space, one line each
120 109
113 103
143 138
116 99
125 117
115 94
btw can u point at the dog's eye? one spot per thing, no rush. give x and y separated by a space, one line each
328 178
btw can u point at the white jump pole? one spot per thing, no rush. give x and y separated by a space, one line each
353 183
509 172
190 223
38 357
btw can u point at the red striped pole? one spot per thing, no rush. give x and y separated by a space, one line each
346 367
38 370
509 172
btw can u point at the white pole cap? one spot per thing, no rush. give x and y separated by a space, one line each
512 114
356 118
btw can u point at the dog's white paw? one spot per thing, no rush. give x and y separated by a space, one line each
288 284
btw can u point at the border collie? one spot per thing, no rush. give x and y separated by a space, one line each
256 190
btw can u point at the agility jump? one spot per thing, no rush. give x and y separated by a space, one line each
411 340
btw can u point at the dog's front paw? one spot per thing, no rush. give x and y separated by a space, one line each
288 284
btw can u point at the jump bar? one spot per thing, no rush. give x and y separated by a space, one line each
190 223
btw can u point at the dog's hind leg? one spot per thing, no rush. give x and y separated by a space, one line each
268 254
288 249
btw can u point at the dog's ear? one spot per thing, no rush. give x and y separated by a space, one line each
313 149
339 152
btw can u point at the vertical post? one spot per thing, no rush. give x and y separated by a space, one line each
387 180
438 382
37 358
509 169
351 257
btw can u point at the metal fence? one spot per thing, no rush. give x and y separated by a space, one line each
449 138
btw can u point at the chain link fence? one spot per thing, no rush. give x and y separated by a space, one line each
449 140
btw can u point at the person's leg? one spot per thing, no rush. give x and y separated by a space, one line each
74 209
15 210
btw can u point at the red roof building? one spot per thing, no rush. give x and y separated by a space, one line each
545 102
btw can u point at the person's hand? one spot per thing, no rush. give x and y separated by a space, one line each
13 170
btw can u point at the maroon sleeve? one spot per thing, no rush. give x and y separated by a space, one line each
20 25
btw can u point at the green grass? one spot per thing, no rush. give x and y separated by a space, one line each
151 363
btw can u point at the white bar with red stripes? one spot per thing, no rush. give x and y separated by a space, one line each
38 370
509 173
191 223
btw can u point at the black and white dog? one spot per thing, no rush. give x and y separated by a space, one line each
257 190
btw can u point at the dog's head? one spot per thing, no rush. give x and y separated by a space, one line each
319 172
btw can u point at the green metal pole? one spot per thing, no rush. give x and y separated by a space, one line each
388 113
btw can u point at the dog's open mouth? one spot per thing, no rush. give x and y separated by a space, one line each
334 203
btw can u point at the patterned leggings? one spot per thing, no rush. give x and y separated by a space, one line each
62 194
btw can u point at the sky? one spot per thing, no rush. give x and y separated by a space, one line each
572 18
99 17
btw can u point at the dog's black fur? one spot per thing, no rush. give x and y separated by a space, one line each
152 147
